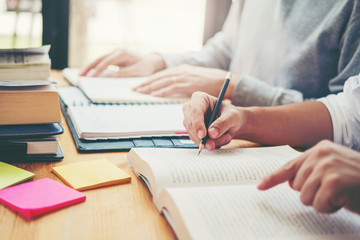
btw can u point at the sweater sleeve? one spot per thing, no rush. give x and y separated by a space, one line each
344 109
250 91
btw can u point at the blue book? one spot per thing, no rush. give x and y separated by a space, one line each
30 130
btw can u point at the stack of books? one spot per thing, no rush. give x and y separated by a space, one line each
29 107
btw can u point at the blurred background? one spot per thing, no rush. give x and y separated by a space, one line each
79 31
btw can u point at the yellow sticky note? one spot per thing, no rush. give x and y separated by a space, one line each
11 175
91 174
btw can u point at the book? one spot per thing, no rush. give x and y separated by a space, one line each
21 147
11 175
91 174
35 198
29 105
113 90
213 195
30 130
114 121
15 158
25 63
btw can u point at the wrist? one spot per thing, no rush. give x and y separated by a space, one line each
157 61
250 123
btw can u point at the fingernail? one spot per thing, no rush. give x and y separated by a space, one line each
200 134
262 185
209 146
214 132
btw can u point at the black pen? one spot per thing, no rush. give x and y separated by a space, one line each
216 110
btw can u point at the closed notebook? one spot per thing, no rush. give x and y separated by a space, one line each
20 147
29 105
26 158
91 174
39 197
26 64
11 175
113 90
30 130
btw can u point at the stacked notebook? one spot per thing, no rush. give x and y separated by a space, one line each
23 64
104 114
29 107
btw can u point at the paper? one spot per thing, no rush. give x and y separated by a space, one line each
91 174
11 175
114 90
24 83
124 121
36 198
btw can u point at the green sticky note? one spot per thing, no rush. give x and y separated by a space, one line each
11 175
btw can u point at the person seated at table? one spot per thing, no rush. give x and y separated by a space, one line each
279 52
328 174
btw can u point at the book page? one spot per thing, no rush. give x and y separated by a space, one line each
185 168
114 90
243 212
124 121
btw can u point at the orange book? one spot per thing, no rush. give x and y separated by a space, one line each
29 105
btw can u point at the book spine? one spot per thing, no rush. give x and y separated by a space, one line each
11 148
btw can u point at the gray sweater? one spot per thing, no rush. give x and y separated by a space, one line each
285 50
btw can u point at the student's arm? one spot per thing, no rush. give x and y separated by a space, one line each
300 124
344 109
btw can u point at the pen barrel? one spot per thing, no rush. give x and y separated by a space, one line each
216 108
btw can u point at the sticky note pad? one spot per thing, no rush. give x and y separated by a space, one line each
35 198
11 175
91 174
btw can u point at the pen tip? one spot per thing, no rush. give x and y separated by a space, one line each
201 146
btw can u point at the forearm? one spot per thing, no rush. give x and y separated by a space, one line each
299 124
250 91
214 54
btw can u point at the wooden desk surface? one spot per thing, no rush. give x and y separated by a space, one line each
118 212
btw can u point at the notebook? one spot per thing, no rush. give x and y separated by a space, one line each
11 158
113 90
94 121
30 130
77 109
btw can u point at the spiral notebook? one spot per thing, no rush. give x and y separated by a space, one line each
110 127
113 90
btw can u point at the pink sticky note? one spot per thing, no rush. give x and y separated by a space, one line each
35 198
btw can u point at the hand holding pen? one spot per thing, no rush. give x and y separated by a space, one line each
215 111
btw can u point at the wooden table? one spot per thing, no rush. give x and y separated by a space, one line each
118 212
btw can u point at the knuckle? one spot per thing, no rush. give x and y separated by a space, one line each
326 163
332 181
198 94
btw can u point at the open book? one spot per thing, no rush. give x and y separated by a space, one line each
213 196
113 90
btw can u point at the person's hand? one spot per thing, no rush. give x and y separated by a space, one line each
327 175
230 122
129 64
184 80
